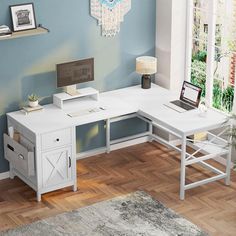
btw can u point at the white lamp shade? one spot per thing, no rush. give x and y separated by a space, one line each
146 65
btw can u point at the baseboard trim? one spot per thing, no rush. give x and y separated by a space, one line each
91 153
129 143
114 147
4 175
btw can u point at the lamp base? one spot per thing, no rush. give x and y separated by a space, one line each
146 81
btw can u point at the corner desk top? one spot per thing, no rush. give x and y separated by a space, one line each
148 103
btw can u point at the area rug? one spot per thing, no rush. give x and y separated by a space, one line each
136 214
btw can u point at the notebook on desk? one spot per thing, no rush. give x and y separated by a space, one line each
189 98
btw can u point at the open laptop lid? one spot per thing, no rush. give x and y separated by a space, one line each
190 94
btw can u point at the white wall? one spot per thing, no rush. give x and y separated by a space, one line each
163 42
170 43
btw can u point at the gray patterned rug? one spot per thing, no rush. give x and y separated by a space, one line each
129 215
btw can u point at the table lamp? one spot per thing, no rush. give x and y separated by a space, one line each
146 66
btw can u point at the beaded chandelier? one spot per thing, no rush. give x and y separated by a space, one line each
110 14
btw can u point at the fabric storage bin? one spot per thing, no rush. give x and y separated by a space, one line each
20 155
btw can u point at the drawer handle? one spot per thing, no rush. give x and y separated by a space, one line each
69 162
10 147
21 157
57 139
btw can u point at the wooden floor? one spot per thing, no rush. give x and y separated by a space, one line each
148 167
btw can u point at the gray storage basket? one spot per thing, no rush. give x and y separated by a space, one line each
20 157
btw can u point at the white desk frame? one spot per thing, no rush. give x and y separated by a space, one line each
121 105
188 159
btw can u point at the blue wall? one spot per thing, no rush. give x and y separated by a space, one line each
27 65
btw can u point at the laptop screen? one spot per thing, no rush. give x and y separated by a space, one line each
190 94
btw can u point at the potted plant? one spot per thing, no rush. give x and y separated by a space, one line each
33 100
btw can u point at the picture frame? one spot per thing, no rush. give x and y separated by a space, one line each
23 17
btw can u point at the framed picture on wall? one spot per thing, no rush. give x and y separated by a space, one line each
23 17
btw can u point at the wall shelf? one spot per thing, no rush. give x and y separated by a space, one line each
26 33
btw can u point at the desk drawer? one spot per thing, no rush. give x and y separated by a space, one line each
56 139
20 157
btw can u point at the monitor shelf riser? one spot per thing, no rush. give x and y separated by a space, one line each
60 98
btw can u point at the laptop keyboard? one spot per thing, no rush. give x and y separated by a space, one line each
183 105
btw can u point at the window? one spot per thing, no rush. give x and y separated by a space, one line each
211 50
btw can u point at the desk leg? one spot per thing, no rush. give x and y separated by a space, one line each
39 197
11 175
183 169
150 132
108 135
75 187
228 167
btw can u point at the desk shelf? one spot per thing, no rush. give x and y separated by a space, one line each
25 33
214 144
212 148
60 98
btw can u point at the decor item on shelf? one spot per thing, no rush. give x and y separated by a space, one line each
5 31
23 17
146 66
33 100
110 14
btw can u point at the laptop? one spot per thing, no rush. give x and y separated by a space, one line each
189 98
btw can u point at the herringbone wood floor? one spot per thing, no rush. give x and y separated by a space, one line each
150 167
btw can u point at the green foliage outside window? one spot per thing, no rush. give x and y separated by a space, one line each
228 98
198 75
222 97
200 56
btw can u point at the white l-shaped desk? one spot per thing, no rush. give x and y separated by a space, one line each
49 136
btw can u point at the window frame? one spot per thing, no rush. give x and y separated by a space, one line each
210 43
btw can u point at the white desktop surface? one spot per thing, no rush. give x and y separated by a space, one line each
52 118
149 103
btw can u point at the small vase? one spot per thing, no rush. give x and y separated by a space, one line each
202 110
33 104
